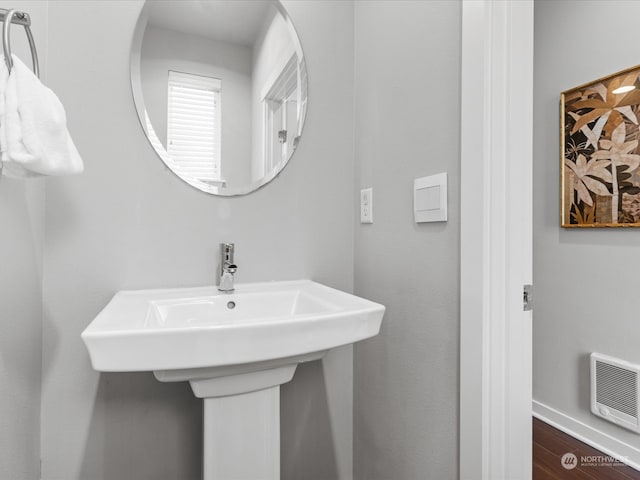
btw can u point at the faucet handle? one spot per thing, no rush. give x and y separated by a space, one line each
226 252
226 267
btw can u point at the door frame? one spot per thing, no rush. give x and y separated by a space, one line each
496 239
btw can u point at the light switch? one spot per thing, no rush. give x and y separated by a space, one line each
366 205
430 198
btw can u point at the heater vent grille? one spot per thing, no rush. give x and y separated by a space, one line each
617 388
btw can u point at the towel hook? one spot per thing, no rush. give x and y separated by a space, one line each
24 20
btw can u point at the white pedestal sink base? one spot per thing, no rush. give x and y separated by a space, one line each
242 424
242 436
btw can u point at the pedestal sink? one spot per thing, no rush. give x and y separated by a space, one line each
235 349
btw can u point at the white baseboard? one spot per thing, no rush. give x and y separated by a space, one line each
604 442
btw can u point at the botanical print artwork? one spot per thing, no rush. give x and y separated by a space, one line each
600 154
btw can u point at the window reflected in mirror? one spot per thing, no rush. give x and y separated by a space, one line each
193 125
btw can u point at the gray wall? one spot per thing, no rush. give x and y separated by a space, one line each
21 240
586 286
128 222
407 126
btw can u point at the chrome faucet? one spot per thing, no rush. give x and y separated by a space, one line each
227 268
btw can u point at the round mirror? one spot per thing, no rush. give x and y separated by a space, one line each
220 87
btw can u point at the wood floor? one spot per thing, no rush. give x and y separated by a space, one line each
549 446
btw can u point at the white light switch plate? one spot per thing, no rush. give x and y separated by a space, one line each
366 205
430 198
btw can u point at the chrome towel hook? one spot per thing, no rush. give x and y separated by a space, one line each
19 18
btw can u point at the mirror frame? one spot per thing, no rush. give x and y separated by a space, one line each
141 110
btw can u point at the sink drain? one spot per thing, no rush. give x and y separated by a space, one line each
231 305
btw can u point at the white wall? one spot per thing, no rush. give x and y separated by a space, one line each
407 91
128 222
21 243
586 287
164 50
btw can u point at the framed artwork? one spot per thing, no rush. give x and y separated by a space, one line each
600 156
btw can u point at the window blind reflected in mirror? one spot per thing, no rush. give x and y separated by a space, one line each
193 125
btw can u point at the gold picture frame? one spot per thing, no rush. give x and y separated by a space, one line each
600 153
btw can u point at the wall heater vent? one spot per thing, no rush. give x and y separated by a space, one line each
615 389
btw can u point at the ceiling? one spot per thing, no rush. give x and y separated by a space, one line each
231 21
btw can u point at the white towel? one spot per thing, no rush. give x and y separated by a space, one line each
34 139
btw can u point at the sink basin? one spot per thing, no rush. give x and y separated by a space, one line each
191 328
235 349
